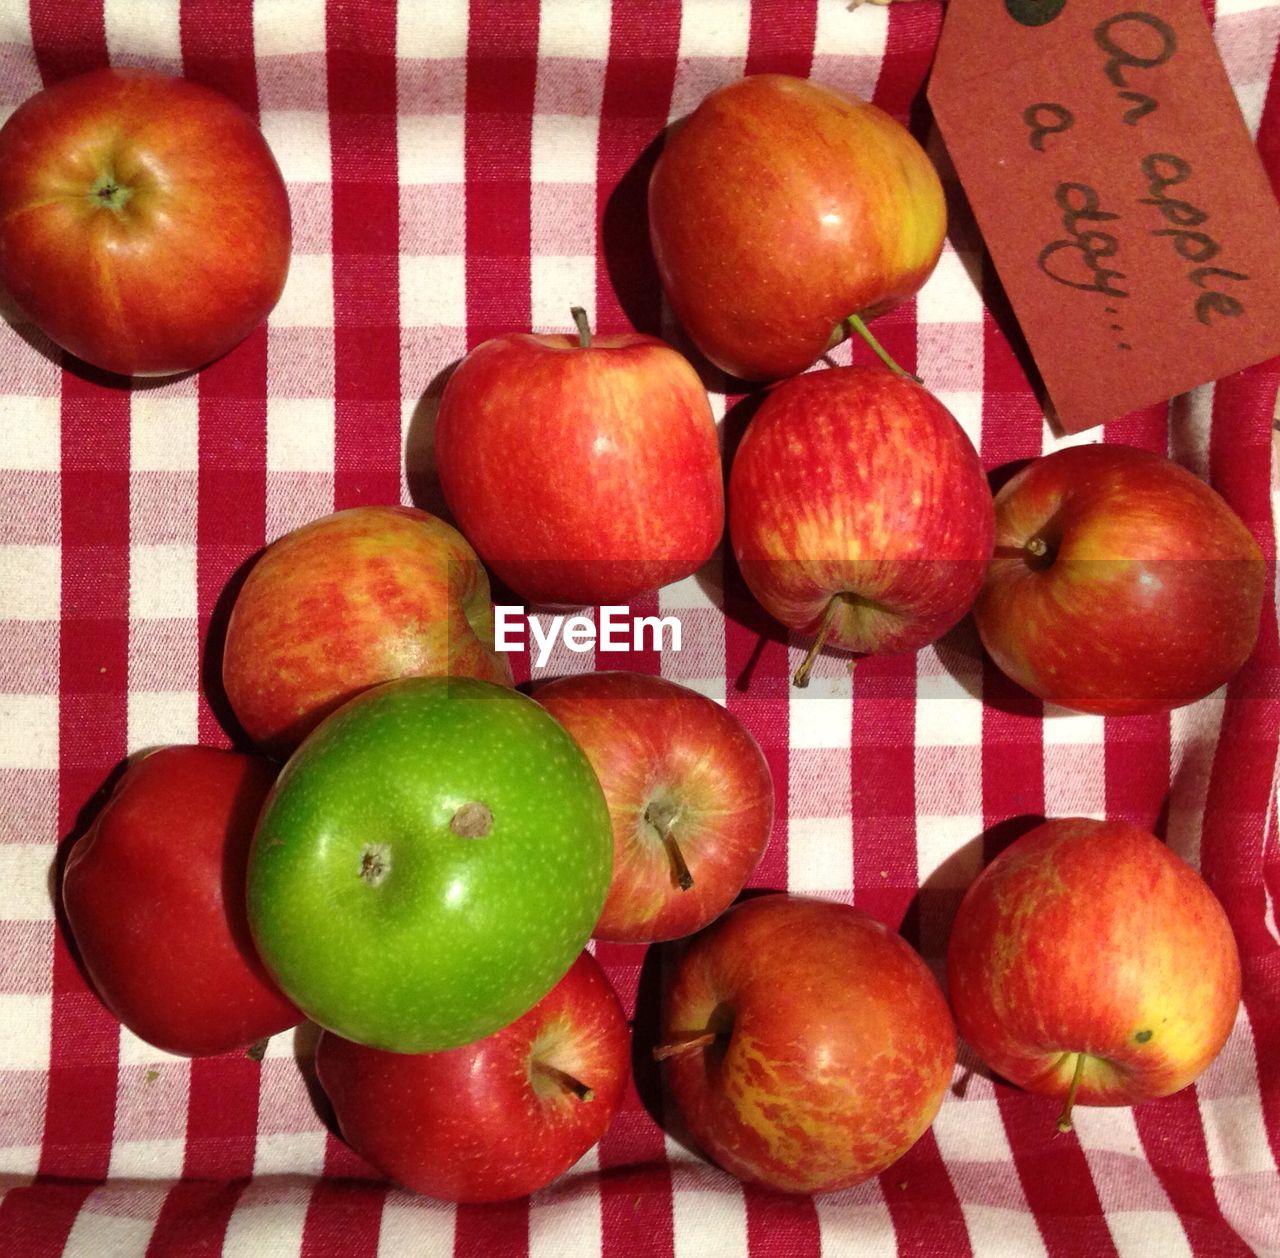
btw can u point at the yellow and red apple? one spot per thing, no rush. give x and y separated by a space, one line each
859 512
359 597
1121 583
807 1046
144 225
778 210
1090 962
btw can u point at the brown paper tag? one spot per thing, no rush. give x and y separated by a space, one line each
1115 184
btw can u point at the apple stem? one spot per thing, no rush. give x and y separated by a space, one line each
1037 547
583 324
856 323
677 1049
801 678
1064 1119
565 1080
662 817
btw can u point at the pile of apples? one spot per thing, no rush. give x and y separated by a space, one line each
423 875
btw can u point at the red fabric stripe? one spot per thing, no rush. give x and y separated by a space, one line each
1240 784
638 82
635 1182
36 1220
918 1191
68 38
1174 1144
913 34
484 1231
343 1218
780 1226
222 1117
92 712
501 78
217 48
781 38
222 1104
885 876
1137 768
646 660
923 1205
1055 1177
366 247
193 1220
231 512
1269 132
92 719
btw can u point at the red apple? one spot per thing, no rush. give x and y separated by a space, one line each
689 794
583 471
496 1119
1090 962
779 209
807 1046
1121 582
859 512
144 225
154 895
350 600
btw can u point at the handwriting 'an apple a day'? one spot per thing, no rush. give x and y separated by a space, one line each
1118 191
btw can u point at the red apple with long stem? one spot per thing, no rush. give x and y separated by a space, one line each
144 225
496 1119
782 214
1121 583
584 470
859 512
689 794
1090 963
806 1045
355 598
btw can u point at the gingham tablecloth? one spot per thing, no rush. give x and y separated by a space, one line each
457 170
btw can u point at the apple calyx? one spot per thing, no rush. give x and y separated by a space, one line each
1040 553
472 821
565 1081
1064 1119
662 817
678 1048
855 324
110 194
801 678
375 863
583 324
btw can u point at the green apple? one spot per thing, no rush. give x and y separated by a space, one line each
429 864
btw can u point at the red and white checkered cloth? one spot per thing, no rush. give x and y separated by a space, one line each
459 169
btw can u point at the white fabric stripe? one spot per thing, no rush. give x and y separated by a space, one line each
415 1225
144 34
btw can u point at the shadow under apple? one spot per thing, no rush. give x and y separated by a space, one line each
215 645
420 448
